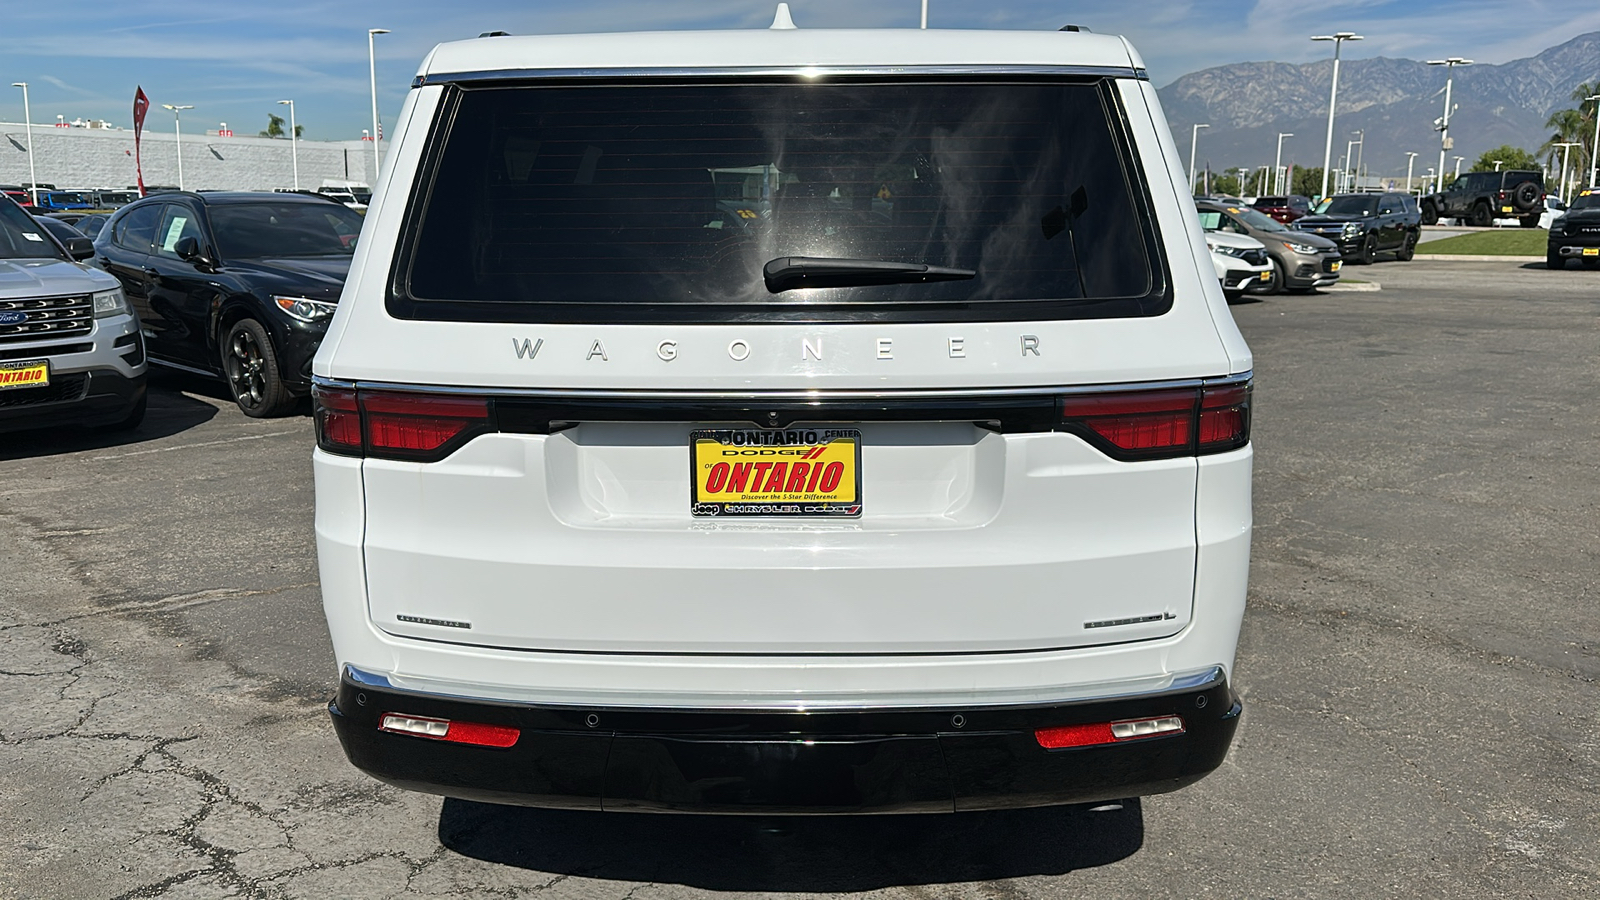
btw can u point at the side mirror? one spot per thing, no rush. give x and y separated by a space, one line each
80 248
188 250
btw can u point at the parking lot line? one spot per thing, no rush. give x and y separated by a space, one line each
248 437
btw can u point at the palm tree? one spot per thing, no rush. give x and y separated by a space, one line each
1569 126
1588 109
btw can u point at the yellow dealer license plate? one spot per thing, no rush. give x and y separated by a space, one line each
1336 264
1505 209
1267 275
24 373
1591 251
757 472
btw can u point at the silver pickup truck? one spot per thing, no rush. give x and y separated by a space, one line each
70 348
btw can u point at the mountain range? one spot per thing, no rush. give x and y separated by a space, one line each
1393 101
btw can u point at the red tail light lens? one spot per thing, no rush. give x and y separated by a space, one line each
1161 423
475 733
1224 417
337 418
418 424
1064 736
397 425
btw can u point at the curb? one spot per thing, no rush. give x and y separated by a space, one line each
1467 257
1359 287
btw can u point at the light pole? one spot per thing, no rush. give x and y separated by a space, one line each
1353 160
924 13
27 124
1431 178
1594 148
177 129
372 70
1566 148
1194 138
1333 98
1444 123
1458 160
1361 152
294 146
1411 160
1349 164
1277 165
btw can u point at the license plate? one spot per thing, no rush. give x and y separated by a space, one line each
1505 209
24 373
1336 266
1591 251
1267 275
756 472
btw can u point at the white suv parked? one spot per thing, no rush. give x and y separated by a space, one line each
788 421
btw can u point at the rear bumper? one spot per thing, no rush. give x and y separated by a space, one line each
877 760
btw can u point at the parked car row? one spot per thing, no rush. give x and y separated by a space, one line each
51 198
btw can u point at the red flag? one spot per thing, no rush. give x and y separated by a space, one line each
141 103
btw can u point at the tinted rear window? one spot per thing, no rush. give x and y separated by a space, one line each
663 202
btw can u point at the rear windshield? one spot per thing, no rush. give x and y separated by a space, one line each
663 202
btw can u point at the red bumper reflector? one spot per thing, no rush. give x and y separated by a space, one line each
1065 736
474 733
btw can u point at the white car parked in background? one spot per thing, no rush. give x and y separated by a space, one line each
1240 261
784 421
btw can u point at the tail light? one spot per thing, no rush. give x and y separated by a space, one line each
475 733
397 424
1161 423
1064 736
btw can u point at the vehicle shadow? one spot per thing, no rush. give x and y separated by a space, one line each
170 412
744 854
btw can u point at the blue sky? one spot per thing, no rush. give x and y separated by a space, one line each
234 60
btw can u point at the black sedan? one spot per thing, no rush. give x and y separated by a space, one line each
234 285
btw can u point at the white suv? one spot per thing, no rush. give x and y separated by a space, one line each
788 421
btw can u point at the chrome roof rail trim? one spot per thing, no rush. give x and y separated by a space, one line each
814 394
763 72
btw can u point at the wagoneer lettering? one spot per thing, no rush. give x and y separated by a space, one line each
771 582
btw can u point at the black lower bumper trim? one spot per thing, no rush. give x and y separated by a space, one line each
101 396
878 761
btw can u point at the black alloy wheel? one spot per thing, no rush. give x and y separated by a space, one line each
252 370
1369 251
1408 247
1480 217
1430 214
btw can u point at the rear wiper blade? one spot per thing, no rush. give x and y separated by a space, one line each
789 272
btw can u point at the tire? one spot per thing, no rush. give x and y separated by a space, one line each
1408 247
251 367
1530 221
1276 285
132 420
1480 217
1525 196
1554 261
1430 214
1369 251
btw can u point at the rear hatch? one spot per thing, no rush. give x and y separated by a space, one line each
584 291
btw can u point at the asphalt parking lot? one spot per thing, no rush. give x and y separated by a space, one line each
1419 663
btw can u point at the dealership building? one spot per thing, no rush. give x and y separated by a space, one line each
103 157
